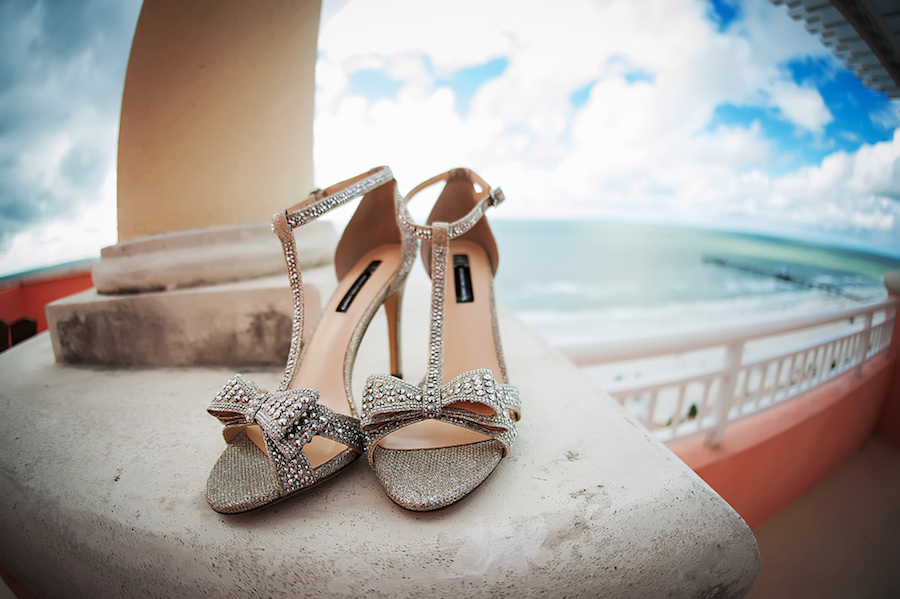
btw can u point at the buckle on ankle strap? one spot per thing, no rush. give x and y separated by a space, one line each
321 201
496 197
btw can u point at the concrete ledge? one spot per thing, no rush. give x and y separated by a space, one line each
102 474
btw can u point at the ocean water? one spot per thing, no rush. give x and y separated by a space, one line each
578 281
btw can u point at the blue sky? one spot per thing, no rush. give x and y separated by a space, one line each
854 108
715 114
720 113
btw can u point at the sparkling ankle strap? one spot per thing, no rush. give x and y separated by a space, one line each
321 201
490 197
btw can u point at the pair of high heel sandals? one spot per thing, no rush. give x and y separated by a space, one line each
429 444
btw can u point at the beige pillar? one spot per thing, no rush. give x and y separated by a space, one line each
217 114
215 136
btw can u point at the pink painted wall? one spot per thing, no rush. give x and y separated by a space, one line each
29 298
768 460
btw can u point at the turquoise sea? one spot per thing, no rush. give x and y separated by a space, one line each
580 280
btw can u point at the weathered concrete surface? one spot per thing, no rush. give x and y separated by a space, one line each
102 472
242 323
210 296
235 324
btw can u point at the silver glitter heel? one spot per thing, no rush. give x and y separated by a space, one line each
284 442
433 444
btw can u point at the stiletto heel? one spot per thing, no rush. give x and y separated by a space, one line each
282 443
433 444
392 310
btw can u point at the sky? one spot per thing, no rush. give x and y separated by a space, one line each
723 114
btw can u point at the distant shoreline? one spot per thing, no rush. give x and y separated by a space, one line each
839 244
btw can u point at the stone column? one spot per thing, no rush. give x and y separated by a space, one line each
217 114
215 136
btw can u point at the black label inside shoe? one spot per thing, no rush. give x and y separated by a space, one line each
357 285
463 279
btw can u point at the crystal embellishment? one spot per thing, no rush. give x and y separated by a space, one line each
289 420
390 403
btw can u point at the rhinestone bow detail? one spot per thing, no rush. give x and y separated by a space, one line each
289 420
390 403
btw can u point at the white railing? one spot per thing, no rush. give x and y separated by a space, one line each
738 370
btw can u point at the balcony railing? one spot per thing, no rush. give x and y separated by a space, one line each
731 372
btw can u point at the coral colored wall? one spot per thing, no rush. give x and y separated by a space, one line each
29 298
768 460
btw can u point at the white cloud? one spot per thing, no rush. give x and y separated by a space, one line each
851 195
62 66
889 117
802 106
65 237
640 146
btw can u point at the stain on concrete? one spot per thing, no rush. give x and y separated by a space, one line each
108 338
265 340
274 329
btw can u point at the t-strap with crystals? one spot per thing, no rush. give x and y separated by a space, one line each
318 203
282 442
391 404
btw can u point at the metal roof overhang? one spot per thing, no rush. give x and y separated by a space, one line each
864 34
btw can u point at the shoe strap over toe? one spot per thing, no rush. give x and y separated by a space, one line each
390 404
288 420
